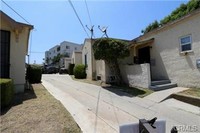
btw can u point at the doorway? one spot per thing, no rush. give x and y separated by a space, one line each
144 55
5 54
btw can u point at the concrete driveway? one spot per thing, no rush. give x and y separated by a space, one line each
96 109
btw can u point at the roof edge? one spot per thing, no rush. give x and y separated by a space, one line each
18 23
159 29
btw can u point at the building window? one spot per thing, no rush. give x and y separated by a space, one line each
186 43
86 60
67 47
58 49
66 54
75 48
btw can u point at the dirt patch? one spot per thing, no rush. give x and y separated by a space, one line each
195 92
37 111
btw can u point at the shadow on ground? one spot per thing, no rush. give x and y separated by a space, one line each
125 90
19 99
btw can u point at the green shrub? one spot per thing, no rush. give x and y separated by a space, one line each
7 91
71 68
34 73
79 71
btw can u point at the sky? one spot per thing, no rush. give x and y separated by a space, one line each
55 21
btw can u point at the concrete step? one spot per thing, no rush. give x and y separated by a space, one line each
160 82
163 86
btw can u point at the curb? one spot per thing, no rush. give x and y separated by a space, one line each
187 99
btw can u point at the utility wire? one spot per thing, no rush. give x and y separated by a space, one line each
88 13
92 26
37 52
15 11
70 2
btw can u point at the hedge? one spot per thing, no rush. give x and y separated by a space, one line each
79 71
34 73
7 91
70 68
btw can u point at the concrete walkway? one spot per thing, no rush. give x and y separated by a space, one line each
97 110
159 96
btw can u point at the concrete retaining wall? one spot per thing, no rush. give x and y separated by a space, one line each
136 75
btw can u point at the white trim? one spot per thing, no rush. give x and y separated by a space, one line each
181 44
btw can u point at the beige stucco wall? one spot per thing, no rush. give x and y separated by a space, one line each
94 67
66 62
18 49
76 58
102 70
87 50
169 63
136 75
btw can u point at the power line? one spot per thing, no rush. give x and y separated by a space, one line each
92 26
88 12
37 52
78 17
15 11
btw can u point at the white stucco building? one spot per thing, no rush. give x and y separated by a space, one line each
65 48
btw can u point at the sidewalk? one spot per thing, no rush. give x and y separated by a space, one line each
159 96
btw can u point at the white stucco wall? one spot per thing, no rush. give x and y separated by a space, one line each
136 75
169 63
71 48
52 52
18 49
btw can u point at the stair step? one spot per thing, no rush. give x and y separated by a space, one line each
160 82
163 86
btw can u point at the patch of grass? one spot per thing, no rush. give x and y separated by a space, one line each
139 92
94 82
37 110
192 92
133 91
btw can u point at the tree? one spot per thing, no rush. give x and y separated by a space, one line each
47 60
110 50
151 27
56 59
179 12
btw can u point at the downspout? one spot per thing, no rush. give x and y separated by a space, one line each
27 43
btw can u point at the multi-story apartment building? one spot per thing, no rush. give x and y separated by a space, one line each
65 48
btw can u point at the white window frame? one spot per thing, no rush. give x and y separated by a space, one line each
180 44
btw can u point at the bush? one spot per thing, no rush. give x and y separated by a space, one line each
71 68
34 73
79 71
7 91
